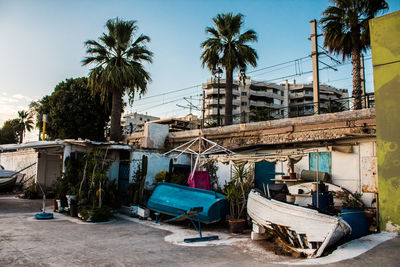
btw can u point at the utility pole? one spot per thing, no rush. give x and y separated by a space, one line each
203 110
217 74
362 74
314 55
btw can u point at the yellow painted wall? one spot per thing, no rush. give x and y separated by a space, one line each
385 44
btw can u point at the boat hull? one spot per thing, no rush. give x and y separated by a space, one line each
173 199
302 229
7 183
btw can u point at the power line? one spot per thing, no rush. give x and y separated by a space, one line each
276 65
165 103
162 101
257 70
169 92
295 61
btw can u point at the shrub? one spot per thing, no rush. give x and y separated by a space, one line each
102 214
161 176
32 191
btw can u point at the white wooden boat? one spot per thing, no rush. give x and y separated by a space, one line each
302 229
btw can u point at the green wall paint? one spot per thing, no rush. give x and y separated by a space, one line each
385 44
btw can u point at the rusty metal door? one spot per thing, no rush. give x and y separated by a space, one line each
369 174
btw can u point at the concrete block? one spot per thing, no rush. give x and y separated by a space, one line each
143 212
134 209
258 236
258 228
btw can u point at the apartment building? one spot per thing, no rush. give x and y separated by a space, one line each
247 96
269 100
131 121
301 99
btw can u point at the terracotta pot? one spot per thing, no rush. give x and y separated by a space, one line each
285 177
55 205
292 175
73 210
237 225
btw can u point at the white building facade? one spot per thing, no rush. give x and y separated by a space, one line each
258 100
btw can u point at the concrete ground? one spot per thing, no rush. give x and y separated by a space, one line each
25 241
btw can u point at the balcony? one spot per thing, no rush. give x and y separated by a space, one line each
265 94
264 104
214 91
214 102
214 112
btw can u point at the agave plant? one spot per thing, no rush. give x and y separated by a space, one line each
238 190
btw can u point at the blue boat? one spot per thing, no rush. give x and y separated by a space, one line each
177 200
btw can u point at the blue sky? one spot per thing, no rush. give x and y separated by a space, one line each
42 45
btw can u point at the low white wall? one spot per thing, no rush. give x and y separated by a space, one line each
224 173
18 160
157 162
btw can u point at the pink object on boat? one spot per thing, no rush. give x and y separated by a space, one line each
201 180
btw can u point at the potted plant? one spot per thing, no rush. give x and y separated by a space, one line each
237 192
59 189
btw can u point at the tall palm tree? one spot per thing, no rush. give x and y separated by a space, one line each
228 47
25 123
118 67
346 31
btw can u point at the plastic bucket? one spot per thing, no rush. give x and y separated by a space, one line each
357 220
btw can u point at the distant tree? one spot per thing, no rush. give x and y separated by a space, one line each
261 114
73 112
9 132
228 48
346 30
335 106
118 67
25 123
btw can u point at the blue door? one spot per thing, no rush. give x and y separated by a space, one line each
263 173
123 179
324 162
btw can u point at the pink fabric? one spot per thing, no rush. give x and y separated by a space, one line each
200 180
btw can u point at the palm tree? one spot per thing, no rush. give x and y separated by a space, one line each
346 31
25 123
118 67
228 48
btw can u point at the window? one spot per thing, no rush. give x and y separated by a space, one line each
244 103
322 159
244 93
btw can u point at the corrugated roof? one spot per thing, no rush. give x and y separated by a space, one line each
28 145
61 143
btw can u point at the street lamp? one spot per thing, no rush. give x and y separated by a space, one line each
218 74
44 118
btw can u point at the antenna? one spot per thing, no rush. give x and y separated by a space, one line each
189 105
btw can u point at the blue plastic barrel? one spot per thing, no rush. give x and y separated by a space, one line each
357 220
323 201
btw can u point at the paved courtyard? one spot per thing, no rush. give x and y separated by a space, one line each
25 241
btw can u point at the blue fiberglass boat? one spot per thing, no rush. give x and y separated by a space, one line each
176 200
